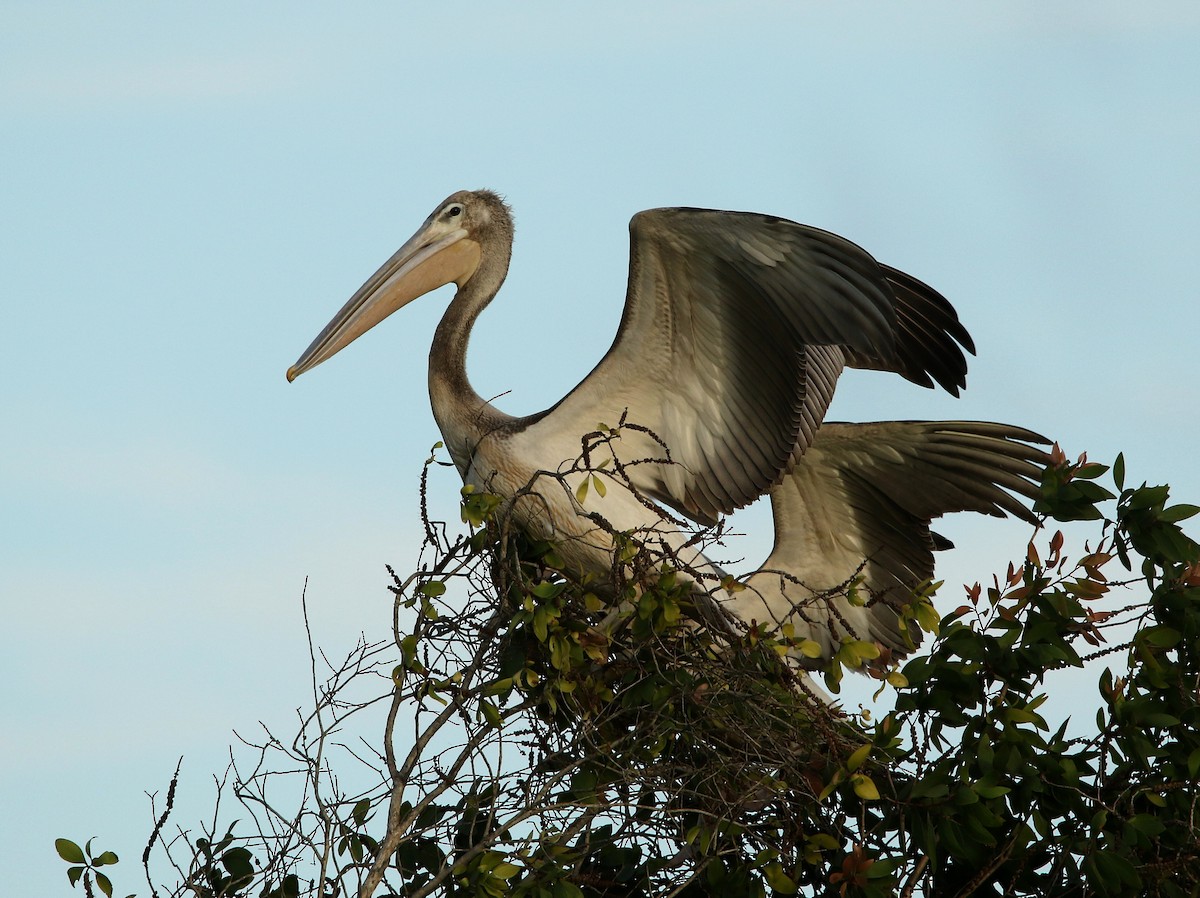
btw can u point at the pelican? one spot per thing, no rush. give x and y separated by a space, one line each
735 329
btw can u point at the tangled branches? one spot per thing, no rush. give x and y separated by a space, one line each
560 738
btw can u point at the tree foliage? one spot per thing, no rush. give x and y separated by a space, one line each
539 736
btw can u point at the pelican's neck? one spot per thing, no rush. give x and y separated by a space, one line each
463 416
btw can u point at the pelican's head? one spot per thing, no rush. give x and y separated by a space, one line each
446 249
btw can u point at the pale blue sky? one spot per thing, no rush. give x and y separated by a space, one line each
188 193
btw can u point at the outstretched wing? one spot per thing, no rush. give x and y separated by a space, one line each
859 504
736 327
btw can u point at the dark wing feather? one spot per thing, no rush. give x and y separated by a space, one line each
735 329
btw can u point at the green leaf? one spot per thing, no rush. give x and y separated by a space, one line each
833 784
433 589
809 648
546 589
560 653
1148 497
1163 637
779 881
1118 470
506 870
880 869
1147 824
105 884
360 811
73 874
856 652
1158 719
238 861
1113 870
491 713
541 624
1022 715
581 491
833 678
583 784
864 787
504 684
69 851
408 650
930 789
107 857
991 791
858 757
927 617
1177 513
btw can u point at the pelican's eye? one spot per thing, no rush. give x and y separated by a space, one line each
454 211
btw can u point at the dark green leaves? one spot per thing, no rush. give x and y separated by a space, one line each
1068 493
69 851
85 865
